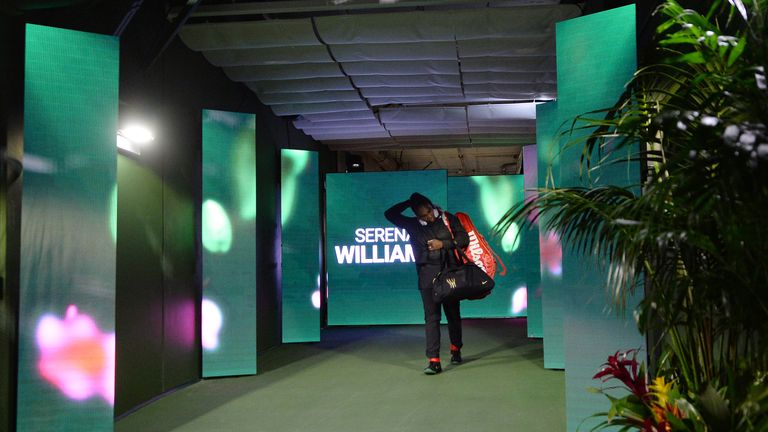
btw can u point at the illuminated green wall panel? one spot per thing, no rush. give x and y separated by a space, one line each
531 246
300 222
67 300
550 249
229 243
362 293
596 56
485 199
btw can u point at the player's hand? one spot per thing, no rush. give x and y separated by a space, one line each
434 244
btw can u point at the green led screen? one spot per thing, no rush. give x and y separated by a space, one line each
371 274
530 175
550 249
485 199
229 244
371 281
300 222
66 375
596 56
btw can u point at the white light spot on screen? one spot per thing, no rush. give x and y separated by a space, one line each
511 240
212 320
520 300
38 164
217 229
316 299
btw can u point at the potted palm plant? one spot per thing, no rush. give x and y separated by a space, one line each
693 236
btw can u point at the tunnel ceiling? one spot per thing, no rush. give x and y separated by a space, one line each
443 75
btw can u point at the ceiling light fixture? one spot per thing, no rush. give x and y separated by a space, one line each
133 137
137 134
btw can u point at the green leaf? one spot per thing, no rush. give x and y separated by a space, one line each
714 408
679 40
692 58
664 26
736 51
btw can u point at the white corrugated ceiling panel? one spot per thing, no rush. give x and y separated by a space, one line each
395 52
416 67
283 72
349 115
249 34
506 47
428 80
502 112
268 56
303 123
382 92
423 115
300 85
509 77
364 75
318 108
509 64
387 28
309 97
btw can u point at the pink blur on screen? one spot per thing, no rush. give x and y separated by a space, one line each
76 357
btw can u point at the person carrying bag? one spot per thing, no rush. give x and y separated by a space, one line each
433 244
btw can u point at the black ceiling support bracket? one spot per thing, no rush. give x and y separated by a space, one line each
176 25
135 6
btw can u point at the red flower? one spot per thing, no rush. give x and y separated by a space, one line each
625 369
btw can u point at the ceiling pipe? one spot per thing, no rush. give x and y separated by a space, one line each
135 6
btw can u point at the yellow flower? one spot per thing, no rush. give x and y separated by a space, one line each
662 406
660 390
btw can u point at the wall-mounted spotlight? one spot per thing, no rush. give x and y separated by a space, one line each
354 163
132 138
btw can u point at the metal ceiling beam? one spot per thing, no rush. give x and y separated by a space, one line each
176 24
309 6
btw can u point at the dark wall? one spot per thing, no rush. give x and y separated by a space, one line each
327 163
171 94
11 150
158 247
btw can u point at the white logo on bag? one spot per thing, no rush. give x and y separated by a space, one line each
476 250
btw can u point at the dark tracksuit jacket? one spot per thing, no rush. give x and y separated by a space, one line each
428 265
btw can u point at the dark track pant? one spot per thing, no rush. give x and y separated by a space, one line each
432 313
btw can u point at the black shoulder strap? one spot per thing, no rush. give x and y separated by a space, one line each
447 221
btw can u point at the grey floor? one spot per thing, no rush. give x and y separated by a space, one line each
369 379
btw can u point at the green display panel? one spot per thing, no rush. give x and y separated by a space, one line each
66 374
596 56
371 274
485 199
531 246
301 245
550 249
229 244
